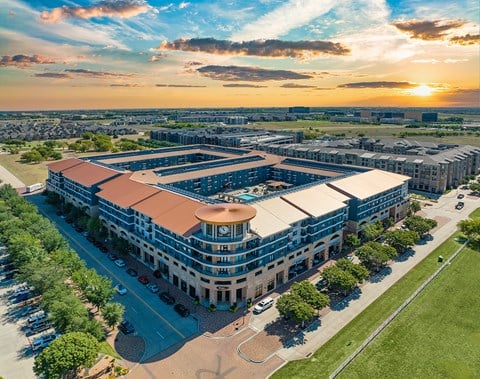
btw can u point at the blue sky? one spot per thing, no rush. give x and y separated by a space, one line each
113 53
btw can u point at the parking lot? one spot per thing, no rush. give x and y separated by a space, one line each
156 322
16 353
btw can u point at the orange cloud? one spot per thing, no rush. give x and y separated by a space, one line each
469 39
119 8
22 61
428 30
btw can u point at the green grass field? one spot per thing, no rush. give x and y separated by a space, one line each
436 336
334 352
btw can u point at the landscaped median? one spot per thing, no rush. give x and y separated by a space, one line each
335 351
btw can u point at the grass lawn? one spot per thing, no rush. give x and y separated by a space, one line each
436 336
326 359
105 348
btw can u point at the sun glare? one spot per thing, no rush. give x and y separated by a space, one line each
422 90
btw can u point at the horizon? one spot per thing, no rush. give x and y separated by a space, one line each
147 54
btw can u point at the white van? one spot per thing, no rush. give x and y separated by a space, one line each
263 305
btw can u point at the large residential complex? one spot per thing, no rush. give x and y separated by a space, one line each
432 167
226 225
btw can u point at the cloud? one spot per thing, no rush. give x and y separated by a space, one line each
295 85
378 85
428 30
53 75
22 61
125 85
250 74
468 39
157 57
107 8
461 97
242 85
183 5
97 74
435 61
288 16
260 48
179 85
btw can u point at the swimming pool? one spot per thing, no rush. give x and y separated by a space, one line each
246 197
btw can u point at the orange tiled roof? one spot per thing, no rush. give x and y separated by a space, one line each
172 211
125 192
227 213
88 173
64 164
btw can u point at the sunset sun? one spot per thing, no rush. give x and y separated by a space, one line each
422 90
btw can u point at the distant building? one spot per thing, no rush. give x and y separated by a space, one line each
227 225
432 167
299 110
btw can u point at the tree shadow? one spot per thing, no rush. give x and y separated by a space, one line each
405 256
340 302
379 276
286 330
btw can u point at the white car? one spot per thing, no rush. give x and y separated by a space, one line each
121 290
120 263
153 287
263 305
43 341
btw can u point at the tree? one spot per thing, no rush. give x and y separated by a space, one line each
375 255
339 280
292 305
96 288
360 272
112 313
471 228
310 295
121 245
372 231
32 156
402 240
352 241
65 311
66 355
419 224
414 207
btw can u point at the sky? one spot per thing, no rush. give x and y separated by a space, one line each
91 54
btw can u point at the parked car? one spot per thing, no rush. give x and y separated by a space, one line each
28 310
103 249
157 274
167 298
460 196
321 284
143 279
263 305
131 272
121 290
90 238
43 341
112 257
36 317
153 287
40 326
120 263
126 327
460 205
181 310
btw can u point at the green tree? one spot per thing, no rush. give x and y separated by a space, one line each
471 228
419 224
66 355
309 294
402 240
66 311
339 280
414 207
32 156
102 142
291 305
352 241
372 231
360 272
121 245
375 255
112 313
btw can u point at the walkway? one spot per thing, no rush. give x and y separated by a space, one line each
8 178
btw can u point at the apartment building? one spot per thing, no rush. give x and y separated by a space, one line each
233 227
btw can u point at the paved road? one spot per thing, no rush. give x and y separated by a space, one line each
159 325
8 178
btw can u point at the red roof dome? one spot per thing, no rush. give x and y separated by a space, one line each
225 214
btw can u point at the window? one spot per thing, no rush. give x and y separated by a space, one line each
205 280
270 267
258 273
241 280
258 290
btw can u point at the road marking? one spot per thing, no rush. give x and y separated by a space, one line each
162 337
133 309
74 239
